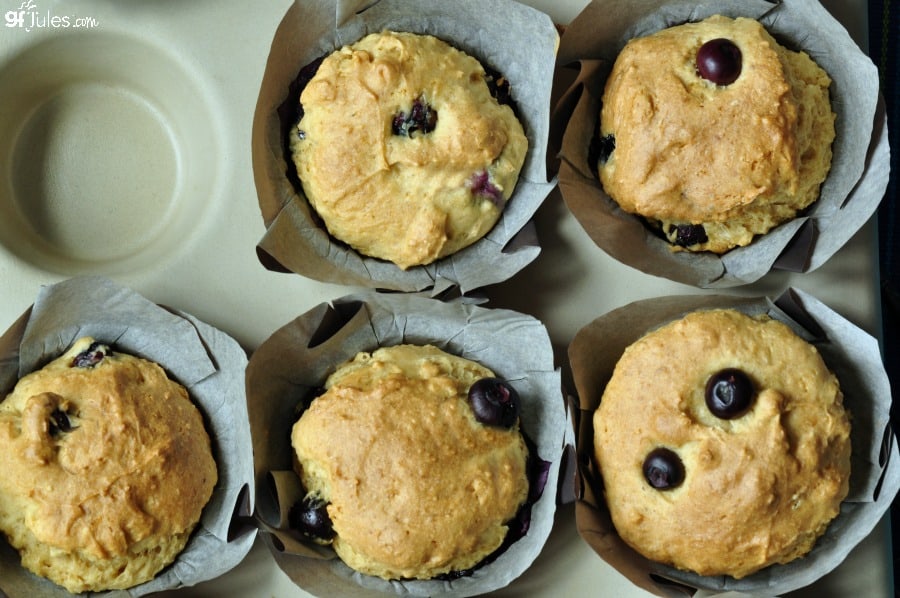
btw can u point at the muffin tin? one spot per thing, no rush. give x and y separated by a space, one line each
82 197
186 237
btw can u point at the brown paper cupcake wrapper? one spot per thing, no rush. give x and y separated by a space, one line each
297 358
853 356
515 39
207 362
849 196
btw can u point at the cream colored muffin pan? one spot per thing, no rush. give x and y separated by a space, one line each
125 151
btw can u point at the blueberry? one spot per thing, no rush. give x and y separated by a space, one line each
310 517
663 469
303 78
729 393
498 86
421 118
604 147
59 422
309 71
719 61
480 184
688 234
91 356
494 402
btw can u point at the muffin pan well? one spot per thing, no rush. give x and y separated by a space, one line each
109 149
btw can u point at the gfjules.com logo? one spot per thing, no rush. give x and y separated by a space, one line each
29 17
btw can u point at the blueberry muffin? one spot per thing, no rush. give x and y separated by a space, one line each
108 466
413 463
406 147
722 444
714 133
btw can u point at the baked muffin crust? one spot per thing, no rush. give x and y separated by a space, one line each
736 159
108 467
403 151
757 489
415 486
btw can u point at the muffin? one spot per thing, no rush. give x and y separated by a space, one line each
402 476
406 147
714 133
108 469
722 444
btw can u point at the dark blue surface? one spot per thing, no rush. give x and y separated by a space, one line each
884 40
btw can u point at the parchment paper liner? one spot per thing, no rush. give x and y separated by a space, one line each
849 196
851 354
298 357
207 362
515 39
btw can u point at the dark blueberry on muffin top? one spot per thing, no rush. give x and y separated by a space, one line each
421 118
719 61
494 402
91 356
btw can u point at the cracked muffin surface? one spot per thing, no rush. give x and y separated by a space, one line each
406 147
414 484
709 161
109 466
723 444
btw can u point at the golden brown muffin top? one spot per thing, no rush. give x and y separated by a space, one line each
416 486
689 151
102 459
403 151
757 489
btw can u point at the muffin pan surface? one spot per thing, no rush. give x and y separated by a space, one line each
173 213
